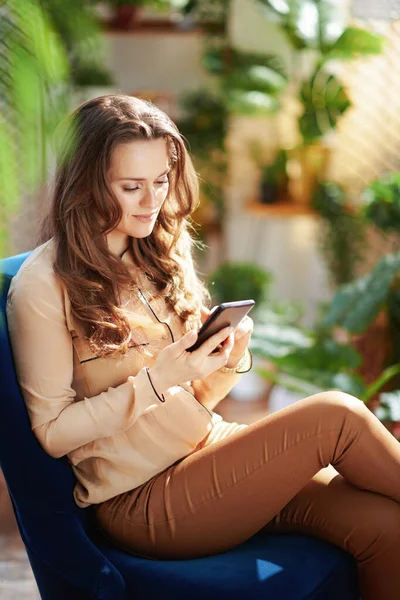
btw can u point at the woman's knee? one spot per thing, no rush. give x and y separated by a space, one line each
337 399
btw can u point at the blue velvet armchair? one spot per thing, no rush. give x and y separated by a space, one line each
71 560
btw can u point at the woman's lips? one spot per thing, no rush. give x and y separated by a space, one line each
145 218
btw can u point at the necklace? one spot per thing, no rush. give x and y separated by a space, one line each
147 303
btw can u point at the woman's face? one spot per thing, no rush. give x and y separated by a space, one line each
138 175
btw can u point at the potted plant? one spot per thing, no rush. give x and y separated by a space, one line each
307 362
274 180
129 13
315 29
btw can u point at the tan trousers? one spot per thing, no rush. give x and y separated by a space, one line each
324 466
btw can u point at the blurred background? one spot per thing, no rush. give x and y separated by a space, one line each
291 113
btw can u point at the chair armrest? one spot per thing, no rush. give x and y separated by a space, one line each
60 541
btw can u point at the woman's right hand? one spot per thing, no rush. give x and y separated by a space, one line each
175 366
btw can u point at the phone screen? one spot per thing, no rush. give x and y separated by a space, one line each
228 314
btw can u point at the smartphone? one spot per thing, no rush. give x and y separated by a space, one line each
228 314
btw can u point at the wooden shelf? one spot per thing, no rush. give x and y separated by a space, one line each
155 27
280 209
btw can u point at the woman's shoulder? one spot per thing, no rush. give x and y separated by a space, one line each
36 275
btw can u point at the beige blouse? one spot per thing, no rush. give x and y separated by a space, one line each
102 412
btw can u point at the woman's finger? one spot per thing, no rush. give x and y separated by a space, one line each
214 341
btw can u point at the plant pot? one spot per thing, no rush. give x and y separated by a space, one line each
307 165
128 16
268 193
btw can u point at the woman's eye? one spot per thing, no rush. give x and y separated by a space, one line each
162 182
131 189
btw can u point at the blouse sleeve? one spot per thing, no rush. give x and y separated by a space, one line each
43 356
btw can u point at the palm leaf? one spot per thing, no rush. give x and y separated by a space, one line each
357 304
38 39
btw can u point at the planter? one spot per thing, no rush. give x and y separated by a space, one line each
307 165
268 193
128 16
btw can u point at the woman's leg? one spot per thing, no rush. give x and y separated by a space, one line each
364 523
221 495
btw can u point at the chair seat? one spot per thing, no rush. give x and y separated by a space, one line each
274 567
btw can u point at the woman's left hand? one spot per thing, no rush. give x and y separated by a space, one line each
241 336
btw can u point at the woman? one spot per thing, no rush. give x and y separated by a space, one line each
101 316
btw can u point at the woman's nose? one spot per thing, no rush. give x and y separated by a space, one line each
150 196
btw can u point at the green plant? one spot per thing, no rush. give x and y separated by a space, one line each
308 362
32 62
342 237
250 83
204 125
382 203
209 11
356 305
318 25
157 4
86 75
240 281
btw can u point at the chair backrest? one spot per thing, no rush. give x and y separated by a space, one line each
46 484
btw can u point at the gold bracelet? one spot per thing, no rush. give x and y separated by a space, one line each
245 361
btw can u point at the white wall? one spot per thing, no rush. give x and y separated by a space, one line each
165 62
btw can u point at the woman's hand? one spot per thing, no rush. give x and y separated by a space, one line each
242 337
175 366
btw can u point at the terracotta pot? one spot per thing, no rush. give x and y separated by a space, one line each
307 165
128 16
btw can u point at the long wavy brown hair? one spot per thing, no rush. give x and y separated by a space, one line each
84 209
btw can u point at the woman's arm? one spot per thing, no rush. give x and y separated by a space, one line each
43 355
214 388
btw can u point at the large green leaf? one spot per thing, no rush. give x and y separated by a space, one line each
324 100
38 40
276 340
258 78
250 83
326 356
356 305
355 43
382 202
307 23
220 59
385 377
250 103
